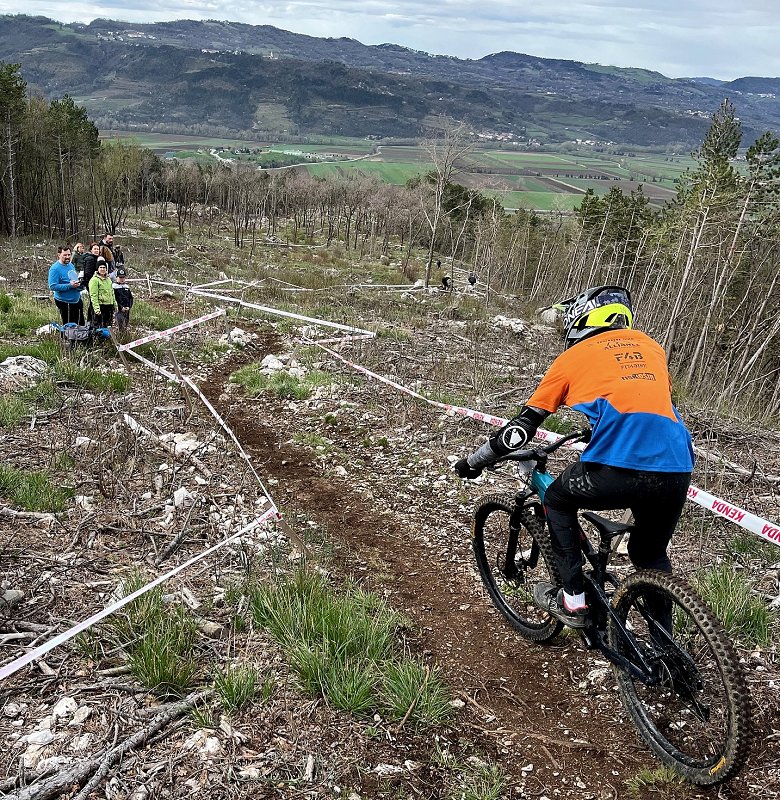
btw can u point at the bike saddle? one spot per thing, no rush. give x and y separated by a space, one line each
606 526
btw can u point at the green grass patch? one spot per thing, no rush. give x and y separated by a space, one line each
158 639
558 424
88 377
661 782
342 645
21 315
13 408
47 350
162 658
730 595
479 780
211 350
394 335
238 686
749 546
148 315
32 491
410 687
281 383
313 440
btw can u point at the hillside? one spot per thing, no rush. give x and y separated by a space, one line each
361 476
259 81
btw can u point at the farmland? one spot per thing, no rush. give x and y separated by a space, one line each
545 181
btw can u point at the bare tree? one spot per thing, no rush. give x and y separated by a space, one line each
444 153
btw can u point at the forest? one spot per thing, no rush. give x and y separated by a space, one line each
704 269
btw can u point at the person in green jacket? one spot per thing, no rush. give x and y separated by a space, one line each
101 295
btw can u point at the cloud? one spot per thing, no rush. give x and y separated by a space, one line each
675 37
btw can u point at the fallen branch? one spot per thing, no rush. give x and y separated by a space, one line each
717 458
35 516
78 773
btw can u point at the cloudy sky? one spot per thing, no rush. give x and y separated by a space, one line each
718 38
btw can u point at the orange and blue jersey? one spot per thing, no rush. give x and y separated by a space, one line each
620 381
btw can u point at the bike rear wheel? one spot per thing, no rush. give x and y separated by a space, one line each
696 717
513 554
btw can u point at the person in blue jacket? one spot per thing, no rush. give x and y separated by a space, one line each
64 281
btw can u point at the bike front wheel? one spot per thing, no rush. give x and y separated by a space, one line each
513 554
694 711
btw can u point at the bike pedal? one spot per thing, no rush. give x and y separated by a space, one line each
589 639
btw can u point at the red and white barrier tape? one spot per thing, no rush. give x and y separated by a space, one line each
279 313
14 666
751 522
176 329
755 524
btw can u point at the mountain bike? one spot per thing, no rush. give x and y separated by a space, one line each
677 673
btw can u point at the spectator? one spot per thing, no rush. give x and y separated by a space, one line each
124 299
64 282
90 263
446 283
472 279
101 295
119 256
77 259
107 249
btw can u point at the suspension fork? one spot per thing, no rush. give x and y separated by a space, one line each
510 557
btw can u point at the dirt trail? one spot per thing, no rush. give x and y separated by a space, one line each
551 707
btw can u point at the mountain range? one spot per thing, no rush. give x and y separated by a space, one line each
259 82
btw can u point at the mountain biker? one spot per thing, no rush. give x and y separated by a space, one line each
640 454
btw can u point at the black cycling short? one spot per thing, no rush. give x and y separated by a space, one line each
656 500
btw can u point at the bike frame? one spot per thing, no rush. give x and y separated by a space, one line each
594 636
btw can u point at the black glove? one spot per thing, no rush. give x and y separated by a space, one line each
465 471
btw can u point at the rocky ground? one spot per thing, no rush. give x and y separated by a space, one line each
361 474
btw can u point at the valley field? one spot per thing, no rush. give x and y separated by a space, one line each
530 179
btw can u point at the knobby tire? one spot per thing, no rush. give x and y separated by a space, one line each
509 572
697 719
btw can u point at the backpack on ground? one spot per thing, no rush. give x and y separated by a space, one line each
74 335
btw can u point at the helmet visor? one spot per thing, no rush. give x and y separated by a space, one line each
604 316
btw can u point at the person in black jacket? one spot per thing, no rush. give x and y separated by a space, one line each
124 300
89 263
89 269
77 259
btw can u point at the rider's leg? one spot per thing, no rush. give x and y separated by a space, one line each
581 485
561 506
656 513
657 502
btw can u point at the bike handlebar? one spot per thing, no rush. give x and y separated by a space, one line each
542 451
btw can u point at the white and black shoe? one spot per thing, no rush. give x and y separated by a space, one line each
550 599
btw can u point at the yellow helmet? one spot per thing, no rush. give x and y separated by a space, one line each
594 310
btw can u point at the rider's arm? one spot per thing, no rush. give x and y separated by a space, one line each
550 394
513 436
